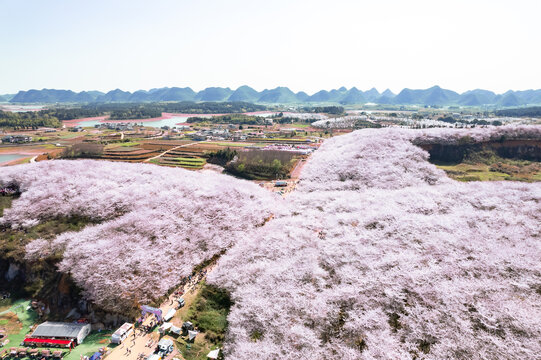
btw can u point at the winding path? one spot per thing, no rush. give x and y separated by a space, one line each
165 152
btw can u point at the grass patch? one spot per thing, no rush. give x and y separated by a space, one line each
9 321
122 148
232 144
472 172
483 172
130 143
191 160
70 135
197 350
209 312
20 321
188 163
50 146
282 140
190 166
5 202
119 146
485 165
90 345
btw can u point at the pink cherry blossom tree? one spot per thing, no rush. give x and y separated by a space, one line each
376 255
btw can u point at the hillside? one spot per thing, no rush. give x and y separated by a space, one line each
52 96
172 94
283 95
302 96
131 207
384 257
244 93
371 95
115 96
278 95
433 96
334 96
214 94
509 99
376 255
353 96
477 97
388 93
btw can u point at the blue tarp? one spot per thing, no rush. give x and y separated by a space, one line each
95 356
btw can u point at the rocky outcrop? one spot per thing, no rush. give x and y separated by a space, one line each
12 272
510 149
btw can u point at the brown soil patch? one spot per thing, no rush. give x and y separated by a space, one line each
64 285
10 323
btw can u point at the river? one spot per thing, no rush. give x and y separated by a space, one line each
4 158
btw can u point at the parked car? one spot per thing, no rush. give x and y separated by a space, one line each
181 302
165 346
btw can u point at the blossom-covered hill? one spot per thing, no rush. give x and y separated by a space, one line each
343 122
383 257
155 223
377 255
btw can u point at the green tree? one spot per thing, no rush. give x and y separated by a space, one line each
276 166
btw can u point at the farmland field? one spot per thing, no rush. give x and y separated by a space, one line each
184 162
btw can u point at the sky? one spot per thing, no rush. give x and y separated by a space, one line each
305 45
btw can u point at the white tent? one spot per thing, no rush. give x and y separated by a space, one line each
169 314
213 354
165 326
192 335
176 330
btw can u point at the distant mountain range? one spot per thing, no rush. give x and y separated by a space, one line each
434 96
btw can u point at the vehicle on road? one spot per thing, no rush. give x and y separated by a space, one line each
122 333
181 302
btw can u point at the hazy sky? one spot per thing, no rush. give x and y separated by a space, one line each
305 45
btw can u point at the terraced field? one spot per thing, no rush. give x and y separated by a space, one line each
137 152
193 163
128 153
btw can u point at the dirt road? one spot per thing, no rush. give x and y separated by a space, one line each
165 152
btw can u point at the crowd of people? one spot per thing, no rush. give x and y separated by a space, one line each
148 324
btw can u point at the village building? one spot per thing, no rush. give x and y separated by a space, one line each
16 139
63 334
